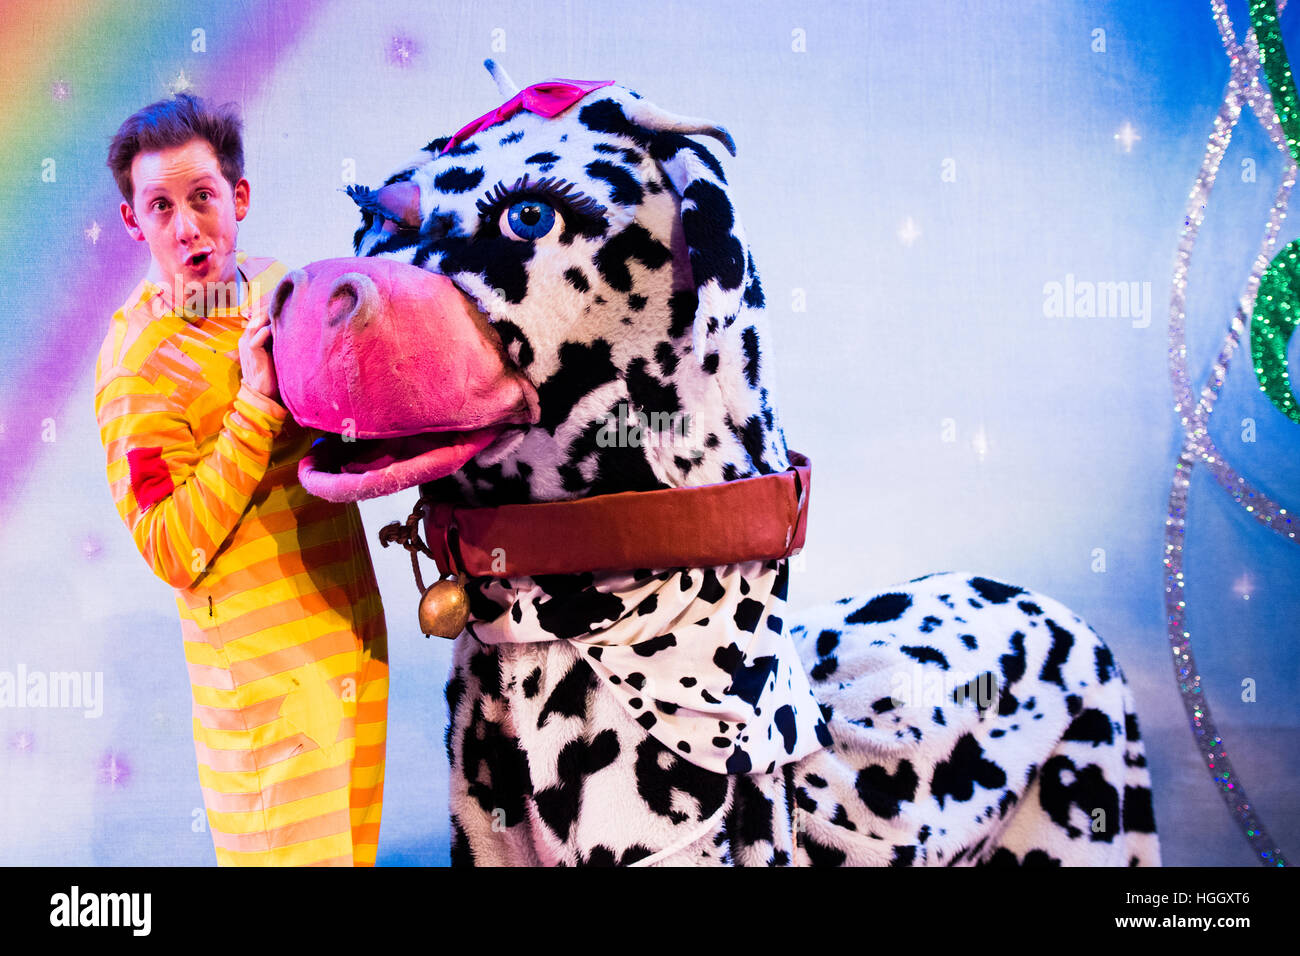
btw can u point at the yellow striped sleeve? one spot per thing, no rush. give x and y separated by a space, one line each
179 507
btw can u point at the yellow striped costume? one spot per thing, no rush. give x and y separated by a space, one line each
284 632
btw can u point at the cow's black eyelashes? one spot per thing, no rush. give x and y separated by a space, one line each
561 192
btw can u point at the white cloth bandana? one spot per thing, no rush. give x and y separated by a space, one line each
699 657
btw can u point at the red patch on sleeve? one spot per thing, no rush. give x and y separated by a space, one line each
150 479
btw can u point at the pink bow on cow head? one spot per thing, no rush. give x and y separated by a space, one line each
547 98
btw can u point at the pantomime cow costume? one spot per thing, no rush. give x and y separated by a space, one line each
561 343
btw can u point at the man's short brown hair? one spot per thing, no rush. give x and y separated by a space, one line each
175 122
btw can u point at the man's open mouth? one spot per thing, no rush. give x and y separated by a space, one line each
198 258
339 469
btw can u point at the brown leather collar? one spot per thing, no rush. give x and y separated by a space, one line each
750 519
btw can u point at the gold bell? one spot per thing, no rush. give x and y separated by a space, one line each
444 608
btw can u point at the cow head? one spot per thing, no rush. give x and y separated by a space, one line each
548 307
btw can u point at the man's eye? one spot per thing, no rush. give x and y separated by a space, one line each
204 195
158 205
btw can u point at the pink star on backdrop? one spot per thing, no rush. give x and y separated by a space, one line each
91 547
401 51
114 770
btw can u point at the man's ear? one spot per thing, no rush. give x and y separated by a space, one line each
242 190
128 220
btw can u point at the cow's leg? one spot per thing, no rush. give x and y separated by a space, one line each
972 722
489 773
1089 770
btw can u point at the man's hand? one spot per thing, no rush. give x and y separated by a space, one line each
255 358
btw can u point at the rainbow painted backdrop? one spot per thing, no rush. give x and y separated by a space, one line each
912 177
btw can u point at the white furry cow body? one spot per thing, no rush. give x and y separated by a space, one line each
954 719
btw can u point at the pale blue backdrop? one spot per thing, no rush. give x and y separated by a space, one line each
911 175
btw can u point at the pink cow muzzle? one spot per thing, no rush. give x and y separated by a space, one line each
398 367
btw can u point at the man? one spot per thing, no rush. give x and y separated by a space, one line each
284 633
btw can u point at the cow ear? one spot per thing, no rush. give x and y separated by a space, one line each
714 237
397 202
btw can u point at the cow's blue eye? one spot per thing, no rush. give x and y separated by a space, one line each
528 219
529 211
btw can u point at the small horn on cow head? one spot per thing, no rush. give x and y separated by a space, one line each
505 85
644 113
397 202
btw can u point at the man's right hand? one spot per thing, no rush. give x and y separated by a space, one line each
255 362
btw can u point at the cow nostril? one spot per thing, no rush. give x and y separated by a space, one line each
342 304
352 297
295 280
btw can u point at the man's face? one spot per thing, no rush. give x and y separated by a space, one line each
188 214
